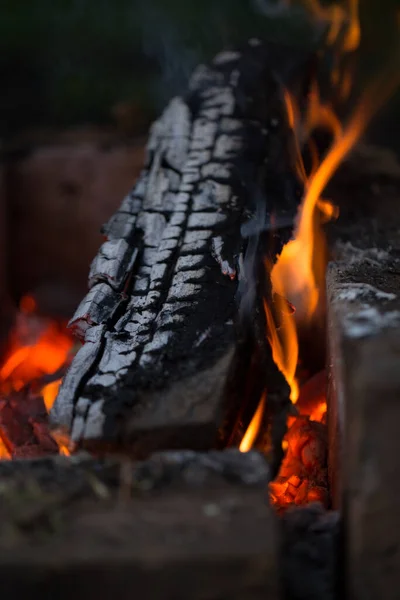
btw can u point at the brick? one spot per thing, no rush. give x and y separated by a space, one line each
180 525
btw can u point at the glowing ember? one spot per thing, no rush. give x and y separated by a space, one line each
302 475
38 348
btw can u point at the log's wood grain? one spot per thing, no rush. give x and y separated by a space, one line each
163 300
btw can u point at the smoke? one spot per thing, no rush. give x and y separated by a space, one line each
163 42
252 231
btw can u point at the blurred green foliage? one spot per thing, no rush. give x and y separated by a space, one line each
67 62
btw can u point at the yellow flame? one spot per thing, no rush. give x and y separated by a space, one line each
320 115
336 16
49 393
254 427
298 274
353 34
63 441
292 116
293 273
284 342
328 210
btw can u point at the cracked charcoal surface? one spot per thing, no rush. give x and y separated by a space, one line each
168 270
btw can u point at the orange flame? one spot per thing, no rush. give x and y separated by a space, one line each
337 16
353 34
283 341
254 427
37 347
298 277
320 115
299 272
294 272
45 355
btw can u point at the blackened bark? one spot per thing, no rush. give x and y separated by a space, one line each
158 367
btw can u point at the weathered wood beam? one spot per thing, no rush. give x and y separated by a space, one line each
163 301
363 415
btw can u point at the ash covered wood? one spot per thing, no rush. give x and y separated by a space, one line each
160 314
365 327
363 292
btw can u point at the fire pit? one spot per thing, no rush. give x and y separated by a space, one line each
221 410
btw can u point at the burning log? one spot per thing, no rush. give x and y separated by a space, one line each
159 367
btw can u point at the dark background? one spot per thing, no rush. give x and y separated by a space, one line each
80 82
72 62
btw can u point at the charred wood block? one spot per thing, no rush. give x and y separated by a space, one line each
364 326
163 297
180 525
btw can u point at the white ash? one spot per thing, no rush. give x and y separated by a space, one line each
202 337
159 341
217 249
226 57
352 255
369 321
351 292
94 422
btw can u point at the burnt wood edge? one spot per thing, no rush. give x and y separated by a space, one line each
164 286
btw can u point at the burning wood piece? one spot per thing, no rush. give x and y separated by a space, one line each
303 474
302 477
158 323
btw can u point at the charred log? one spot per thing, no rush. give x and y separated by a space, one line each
159 367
